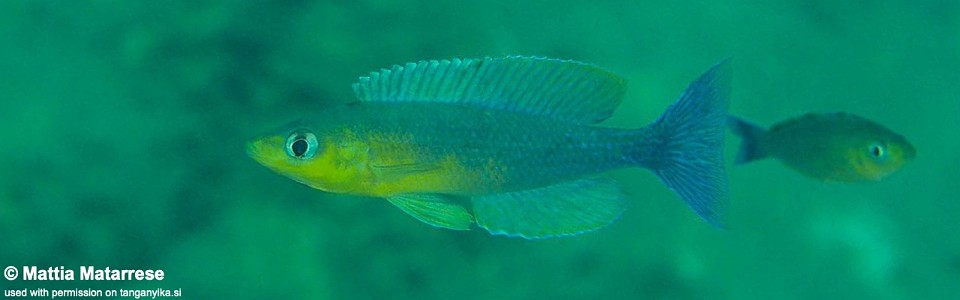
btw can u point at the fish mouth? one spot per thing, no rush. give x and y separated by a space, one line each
266 150
911 152
254 149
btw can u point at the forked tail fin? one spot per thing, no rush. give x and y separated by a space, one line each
750 133
689 155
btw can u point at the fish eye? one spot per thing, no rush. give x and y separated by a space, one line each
301 144
878 151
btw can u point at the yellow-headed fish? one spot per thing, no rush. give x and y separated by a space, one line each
838 147
506 143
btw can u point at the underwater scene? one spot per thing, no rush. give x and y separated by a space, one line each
382 149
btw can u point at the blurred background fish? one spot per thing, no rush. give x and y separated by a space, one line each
831 147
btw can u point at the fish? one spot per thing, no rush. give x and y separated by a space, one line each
508 143
832 147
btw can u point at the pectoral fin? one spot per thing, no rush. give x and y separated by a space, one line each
434 209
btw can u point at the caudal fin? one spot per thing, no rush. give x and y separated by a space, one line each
690 154
750 133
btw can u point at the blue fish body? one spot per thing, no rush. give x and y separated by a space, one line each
514 139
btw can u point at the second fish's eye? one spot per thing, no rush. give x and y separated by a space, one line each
301 144
878 151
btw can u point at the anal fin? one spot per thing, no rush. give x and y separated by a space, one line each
562 209
436 210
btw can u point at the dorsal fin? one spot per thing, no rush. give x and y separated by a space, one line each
563 89
817 117
793 121
820 119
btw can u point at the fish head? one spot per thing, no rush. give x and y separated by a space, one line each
315 156
878 153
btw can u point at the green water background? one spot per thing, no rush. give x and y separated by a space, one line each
123 126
